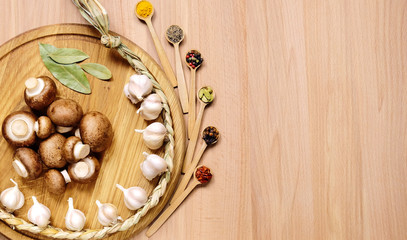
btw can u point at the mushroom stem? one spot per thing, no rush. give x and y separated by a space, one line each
20 168
81 150
121 187
19 127
34 86
139 130
78 133
66 176
61 129
81 170
36 126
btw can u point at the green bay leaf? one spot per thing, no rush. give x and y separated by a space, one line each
98 70
72 76
68 55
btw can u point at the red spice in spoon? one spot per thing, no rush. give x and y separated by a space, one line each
203 174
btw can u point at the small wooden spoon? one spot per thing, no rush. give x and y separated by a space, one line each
206 96
175 35
160 50
193 60
209 140
167 213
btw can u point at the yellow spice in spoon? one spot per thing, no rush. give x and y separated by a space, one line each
144 9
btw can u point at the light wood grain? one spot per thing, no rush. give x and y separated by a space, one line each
310 103
182 86
120 162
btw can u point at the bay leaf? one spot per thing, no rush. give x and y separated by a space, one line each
98 70
72 76
68 55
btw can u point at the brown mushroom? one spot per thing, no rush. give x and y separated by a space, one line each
65 113
27 163
18 129
50 151
96 130
56 181
74 150
84 171
44 127
40 92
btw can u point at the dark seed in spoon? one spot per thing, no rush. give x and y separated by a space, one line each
210 135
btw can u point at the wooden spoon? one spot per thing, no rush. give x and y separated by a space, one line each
175 35
167 213
193 60
160 50
206 96
209 140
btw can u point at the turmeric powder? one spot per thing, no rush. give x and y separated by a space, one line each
144 9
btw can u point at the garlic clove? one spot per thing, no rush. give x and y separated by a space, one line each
151 107
39 214
154 135
140 86
74 219
107 214
12 198
126 92
134 197
153 165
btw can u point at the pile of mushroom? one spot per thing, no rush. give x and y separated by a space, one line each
44 139
139 89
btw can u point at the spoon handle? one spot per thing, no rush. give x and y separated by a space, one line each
191 169
193 139
161 54
191 109
182 87
167 213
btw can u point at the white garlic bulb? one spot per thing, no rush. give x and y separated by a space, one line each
153 166
154 135
126 92
107 214
134 197
12 198
39 214
151 107
74 219
140 86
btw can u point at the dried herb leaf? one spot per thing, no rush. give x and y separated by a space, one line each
68 55
72 76
97 70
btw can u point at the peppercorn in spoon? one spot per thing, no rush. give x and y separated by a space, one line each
210 135
206 95
145 11
175 35
202 175
194 61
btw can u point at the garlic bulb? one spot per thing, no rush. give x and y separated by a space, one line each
107 214
134 197
12 198
74 219
140 86
153 166
126 92
154 135
151 107
39 214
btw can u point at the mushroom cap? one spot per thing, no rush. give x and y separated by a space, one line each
55 182
31 161
96 131
50 151
45 127
65 112
90 164
45 98
68 149
22 121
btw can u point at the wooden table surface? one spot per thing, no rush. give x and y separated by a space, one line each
311 99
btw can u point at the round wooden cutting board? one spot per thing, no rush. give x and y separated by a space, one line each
20 59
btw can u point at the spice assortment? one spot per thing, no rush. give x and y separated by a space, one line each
193 59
